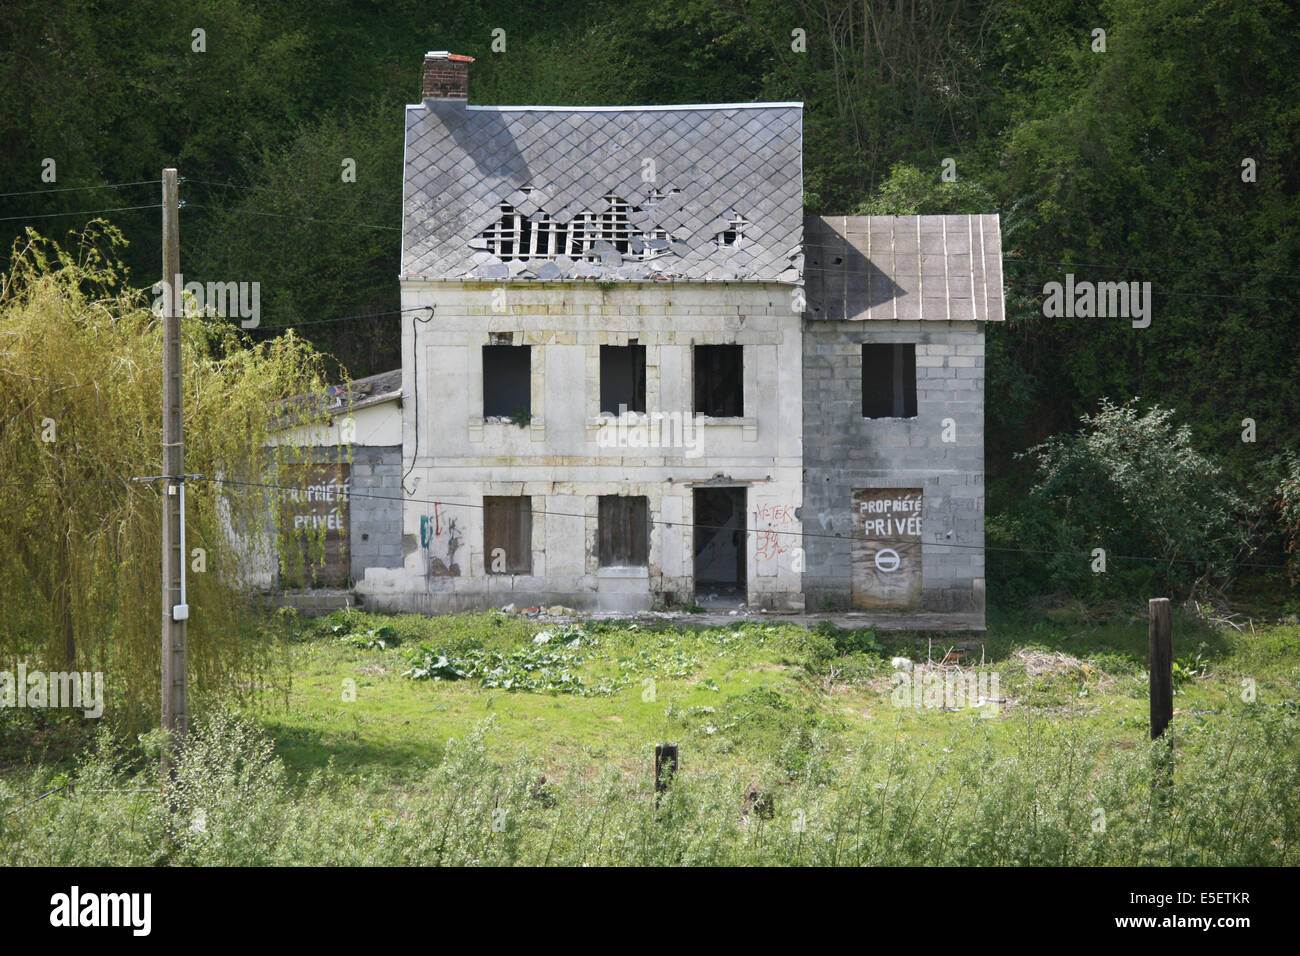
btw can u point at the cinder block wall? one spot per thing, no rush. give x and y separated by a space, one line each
843 451
375 515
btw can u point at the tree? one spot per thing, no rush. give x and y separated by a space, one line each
80 418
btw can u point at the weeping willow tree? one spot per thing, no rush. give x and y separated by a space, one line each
80 418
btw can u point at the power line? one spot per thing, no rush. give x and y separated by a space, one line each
125 481
80 212
276 215
1141 268
843 247
341 318
748 530
73 189
204 182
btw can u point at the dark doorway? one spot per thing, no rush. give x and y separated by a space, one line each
720 551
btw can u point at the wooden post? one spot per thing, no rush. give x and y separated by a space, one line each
665 767
1160 640
175 706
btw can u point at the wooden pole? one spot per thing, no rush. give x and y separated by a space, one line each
175 705
1160 640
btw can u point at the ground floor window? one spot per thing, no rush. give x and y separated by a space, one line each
624 531
508 534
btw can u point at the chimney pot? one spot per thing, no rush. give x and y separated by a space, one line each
446 76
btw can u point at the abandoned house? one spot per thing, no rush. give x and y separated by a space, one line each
633 375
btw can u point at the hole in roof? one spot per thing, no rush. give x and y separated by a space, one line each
539 236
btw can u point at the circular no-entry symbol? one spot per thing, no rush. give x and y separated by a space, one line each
887 560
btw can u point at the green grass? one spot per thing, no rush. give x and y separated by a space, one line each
711 690
420 771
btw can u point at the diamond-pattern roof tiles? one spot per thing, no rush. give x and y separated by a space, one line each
462 162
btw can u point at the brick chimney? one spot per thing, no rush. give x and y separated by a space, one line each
446 76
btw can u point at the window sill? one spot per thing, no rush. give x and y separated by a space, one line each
748 425
623 571
479 428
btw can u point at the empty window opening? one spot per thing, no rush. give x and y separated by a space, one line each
719 545
734 234
720 380
889 381
516 236
622 378
624 530
507 381
508 534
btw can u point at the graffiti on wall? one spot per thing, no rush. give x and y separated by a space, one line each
314 503
775 531
440 538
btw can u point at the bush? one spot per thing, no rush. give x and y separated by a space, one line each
1131 483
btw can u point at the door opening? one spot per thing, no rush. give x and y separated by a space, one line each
720 549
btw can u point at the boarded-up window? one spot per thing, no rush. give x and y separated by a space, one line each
622 378
507 381
624 531
889 381
508 534
720 381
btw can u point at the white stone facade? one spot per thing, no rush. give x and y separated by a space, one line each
452 458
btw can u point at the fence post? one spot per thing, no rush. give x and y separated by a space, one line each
665 767
1160 639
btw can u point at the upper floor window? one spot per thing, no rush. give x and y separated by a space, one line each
622 378
889 380
720 380
507 381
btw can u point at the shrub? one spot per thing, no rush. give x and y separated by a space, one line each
1131 483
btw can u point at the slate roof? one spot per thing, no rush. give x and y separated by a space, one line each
904 268
463 161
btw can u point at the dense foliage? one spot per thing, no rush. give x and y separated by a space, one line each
1117 159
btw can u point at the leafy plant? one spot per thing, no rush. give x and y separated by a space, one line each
380 639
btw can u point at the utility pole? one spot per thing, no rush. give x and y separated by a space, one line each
175 612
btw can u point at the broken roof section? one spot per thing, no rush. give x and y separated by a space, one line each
603 193
904 268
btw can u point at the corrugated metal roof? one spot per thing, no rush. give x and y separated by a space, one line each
904 268
463 163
